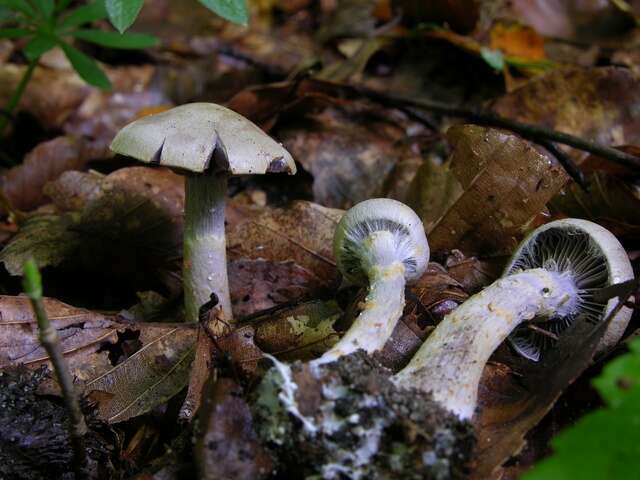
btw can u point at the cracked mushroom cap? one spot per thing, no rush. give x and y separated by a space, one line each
380 214
594 259
189 136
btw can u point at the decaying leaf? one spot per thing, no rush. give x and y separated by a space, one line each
433 190
302 232
227 447
83 335
130 227
151 376
153 373
257 285
506 182
600 104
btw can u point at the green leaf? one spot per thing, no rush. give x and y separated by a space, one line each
117 40
21 6
45 7
495 58
233 10
85 14
86 67
38 45
123 13
605 443
14 33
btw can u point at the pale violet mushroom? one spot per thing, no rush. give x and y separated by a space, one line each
380 243
206 143
550 279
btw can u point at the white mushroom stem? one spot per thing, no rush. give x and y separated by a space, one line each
450 362
384 303
205 256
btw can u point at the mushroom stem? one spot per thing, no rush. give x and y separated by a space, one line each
384 303
205 256
450 362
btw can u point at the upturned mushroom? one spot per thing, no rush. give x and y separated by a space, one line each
206 143
550 280
379 242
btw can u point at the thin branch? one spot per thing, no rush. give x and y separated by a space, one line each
32 285
484 117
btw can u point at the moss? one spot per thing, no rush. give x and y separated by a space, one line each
362 425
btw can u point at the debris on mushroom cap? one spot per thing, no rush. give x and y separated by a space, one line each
593 258
187 137
357 424
381 214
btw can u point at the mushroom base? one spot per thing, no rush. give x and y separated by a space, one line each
346 419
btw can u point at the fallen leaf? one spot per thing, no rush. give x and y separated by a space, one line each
24 183
301 232
157 371
259 285
600 104
433 190
506 181
227 446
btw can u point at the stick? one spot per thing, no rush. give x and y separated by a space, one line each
32 284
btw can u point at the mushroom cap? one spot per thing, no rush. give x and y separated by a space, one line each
374 215
595 258
186 137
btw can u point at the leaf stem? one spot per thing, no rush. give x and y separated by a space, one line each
32 284
17 94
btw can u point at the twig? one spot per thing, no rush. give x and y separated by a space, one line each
484 117
32 285
571 168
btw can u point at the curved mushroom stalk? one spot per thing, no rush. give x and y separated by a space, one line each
383 305
382 242
450 362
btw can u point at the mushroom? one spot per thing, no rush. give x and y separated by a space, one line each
206 143
379 242
550 279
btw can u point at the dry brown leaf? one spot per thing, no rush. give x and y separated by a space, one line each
506 182
301 232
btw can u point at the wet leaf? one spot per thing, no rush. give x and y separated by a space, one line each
151 376
506 183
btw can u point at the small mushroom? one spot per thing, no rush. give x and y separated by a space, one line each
550 279
206 143
379 242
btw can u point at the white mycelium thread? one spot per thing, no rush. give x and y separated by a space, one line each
381 242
